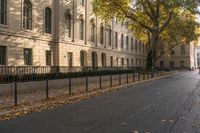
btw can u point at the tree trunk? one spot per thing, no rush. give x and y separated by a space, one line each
151 57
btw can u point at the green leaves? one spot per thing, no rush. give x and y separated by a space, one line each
152 21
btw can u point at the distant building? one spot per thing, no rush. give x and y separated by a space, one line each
198 56
179 57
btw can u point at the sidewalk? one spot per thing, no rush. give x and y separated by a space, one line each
35 101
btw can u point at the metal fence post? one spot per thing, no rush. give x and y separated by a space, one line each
111 81
15 93
127 78
86 83
120 82
143 76
100 86
138 76
47 89
70 86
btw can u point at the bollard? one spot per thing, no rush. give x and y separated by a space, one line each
15 93
100 85
47 89
70 86
86 83
111 81
133 77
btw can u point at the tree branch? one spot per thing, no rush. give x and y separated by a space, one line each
166 23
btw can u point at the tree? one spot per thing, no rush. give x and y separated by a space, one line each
153 20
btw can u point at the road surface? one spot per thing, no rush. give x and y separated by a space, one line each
169 105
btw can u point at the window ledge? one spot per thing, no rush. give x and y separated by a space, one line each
3 26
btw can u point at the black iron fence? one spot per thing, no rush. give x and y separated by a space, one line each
9 74
101 81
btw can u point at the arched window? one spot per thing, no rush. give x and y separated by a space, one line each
103 59
3 12
122 41
110 36
122 62
83 58
182 49
92 32
81 29
68 24
94 60
27 15
127 42
101 35
136 45
48 20
117 59
132 44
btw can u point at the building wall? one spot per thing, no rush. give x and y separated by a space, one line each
15 38
189 58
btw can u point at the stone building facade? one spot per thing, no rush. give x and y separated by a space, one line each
63 33
181 56
66 33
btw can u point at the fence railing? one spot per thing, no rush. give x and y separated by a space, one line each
23 70
9 74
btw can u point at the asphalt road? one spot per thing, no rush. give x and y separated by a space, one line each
169 105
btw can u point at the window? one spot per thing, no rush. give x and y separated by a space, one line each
82 2
131 44
172 51
136 47
27 56
103 59
182 63
68 24
122 62
140 46
116 39
83 58
101 34
70 59
2 55
81 29
127 39
137 64
127 62
94 60
161 63
122 41
92 32
48 20
117 61
3 12
172 64
48 58
27 15
111 61
110 36
182 49
132 62
143 48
